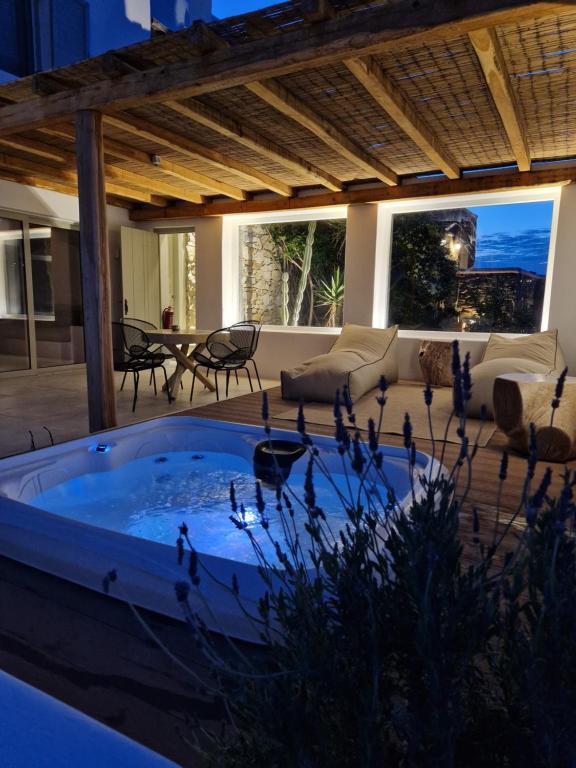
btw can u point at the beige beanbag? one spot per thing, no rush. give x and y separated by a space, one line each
540 347
358 359
484 375
537 353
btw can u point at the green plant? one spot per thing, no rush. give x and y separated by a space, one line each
423 279
383 643
330 296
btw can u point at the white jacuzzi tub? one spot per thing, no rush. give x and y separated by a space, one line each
116 500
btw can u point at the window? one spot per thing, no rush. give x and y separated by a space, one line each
14 347
57 292
292 273
470 269
16 49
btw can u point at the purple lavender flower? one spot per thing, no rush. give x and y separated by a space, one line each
358 459
503 473
407 431
300 422
466 378
233 502
182 590
309 492
428 395
260 503
559 389
455 358
372 436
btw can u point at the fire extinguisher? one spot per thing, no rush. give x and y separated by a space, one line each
167 318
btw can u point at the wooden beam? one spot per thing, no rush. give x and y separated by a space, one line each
494 182
55 186
185 146
202 39
373 30
95 263
123 151
317 10
279 97
491 58
47 83
113 172
36 181
69 177
155 186
114 65
229 127
387 95
36 148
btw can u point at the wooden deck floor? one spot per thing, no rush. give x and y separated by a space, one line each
482 494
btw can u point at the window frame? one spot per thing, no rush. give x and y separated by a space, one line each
383 260
26 220
231 250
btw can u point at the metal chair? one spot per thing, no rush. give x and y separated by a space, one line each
229 349
146 325
133 353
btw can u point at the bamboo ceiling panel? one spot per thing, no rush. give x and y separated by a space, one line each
169 120
335 94
541 60
441 79
208 169
246 108
444 82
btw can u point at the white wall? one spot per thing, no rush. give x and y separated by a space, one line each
368 235
209 273
118 23
562 297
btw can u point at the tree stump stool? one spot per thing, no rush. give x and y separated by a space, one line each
435 359
521 399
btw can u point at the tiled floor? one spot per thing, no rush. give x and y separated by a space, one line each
58 401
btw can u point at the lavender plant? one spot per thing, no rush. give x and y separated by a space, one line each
386 643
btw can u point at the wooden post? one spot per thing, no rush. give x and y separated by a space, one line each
95 265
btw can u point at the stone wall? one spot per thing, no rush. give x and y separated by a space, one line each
260 275
190 278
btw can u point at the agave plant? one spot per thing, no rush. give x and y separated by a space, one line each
331 297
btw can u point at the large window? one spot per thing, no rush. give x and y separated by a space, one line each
470 269
292 273
40 296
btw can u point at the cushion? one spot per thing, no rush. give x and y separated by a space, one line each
485 373
435 359
358 359
540 347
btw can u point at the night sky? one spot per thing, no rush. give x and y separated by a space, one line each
516 235
223 8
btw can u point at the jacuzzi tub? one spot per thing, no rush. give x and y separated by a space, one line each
116 500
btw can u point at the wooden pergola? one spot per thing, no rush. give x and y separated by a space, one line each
303 104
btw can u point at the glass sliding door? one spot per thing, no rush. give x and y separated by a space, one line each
57 292
14 336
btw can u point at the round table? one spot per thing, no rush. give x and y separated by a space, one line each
521 399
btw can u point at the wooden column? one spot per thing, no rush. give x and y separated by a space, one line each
95 264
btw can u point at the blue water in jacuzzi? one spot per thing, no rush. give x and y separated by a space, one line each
150 497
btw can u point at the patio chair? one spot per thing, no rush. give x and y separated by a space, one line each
133 353
146 325
229 349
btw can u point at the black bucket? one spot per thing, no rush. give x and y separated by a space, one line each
273 460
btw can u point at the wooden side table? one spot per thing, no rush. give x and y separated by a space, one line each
521 399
